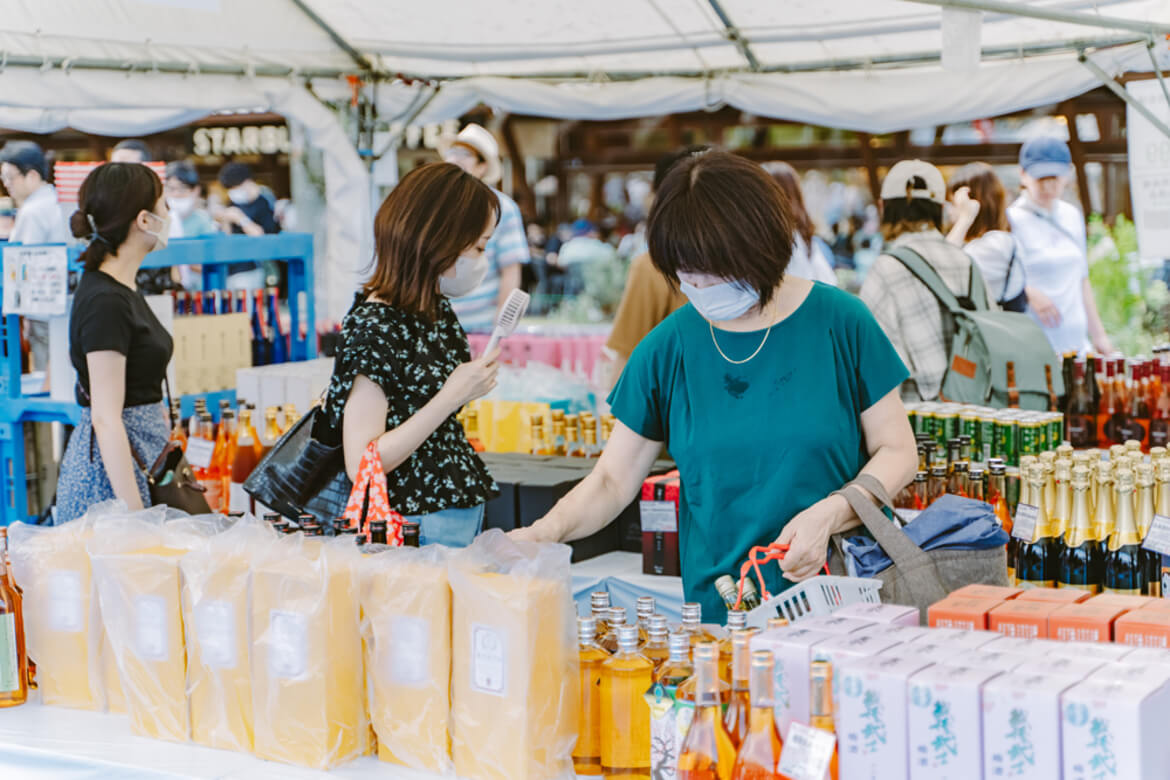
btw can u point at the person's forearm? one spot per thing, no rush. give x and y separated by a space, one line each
509 281
587 508
250 228
888 465
397 445
114 445
958 234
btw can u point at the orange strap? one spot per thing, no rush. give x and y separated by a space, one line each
772 552
371 482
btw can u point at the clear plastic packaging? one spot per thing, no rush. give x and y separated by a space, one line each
135 561
406 625
514 672
307 674
63 625
216 621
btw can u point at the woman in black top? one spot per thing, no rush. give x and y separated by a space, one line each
403 366
117 345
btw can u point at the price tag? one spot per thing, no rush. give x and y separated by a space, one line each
1158 537
199 452
807 753
36 280
659 517
1024 525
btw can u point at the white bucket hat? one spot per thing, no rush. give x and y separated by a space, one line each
485 145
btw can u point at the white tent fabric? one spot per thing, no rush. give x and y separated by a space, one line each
121 67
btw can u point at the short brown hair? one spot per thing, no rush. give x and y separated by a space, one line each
720 214
986 188
435 212
789 181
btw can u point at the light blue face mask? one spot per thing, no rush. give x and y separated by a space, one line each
721 302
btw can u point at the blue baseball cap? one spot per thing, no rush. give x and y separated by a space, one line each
1045 156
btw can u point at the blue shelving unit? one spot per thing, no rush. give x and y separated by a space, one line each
213 255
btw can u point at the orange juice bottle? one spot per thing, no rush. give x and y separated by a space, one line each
759 755
736 717
625 715
587 753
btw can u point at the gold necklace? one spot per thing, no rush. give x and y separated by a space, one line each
749 357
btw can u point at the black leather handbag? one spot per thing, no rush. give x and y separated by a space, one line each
301 474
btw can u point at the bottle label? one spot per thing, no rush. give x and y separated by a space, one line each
665 741
64 591
239 500
488 660
150 628
659 517
9 663
807 753
215 625
408 659
199 452
1024 525
1158 537
288 645
1082 431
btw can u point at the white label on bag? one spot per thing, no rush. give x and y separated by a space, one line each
216 626
150 628
1158 537
64 588
1024 524
239 500
807 753
288 646
488 660
199 452
659 517
409 655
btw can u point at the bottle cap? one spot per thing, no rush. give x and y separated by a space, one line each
692 612
736 619
586 628
617 616
657 623
706 651
680 644
599 598
645 607
628 638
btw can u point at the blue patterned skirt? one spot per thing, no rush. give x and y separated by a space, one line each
83 481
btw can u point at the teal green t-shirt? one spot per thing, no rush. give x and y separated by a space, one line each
756 443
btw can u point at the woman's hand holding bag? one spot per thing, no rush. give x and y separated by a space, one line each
371 495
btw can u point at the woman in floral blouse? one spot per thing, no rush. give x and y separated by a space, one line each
403 366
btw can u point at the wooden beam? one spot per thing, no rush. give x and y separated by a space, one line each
869 160
1068 109
525 199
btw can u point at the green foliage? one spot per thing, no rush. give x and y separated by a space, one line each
1134 308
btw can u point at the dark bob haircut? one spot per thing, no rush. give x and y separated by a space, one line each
434 213
720 214
110 199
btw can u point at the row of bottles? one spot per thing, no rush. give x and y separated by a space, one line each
1111 400
270 338
376 534
577 436
986 433
733 732
1091 517
235 446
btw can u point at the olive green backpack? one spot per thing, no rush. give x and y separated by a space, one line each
983 340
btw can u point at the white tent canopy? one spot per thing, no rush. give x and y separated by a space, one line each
129 67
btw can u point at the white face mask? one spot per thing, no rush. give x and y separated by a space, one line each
239 195
182 206
164 235
469 272
721 302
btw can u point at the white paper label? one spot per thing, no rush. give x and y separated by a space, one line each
409 655
659 517
1024 524
216 626
150 628
199 452
288 646
239 500
9 662
64 588
488 660
1158 537
807 753
36 280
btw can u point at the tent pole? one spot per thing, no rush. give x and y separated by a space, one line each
359 59
1077 150
1157 70
734 35
1121 92
1033 11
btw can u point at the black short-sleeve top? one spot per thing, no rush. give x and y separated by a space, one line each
108 316
410 358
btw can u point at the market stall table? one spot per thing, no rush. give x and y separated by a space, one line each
620 575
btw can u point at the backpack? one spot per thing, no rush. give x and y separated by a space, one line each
981 341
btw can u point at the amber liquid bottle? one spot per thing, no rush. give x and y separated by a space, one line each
592 450
178 432
739 708
736 621
692 623
1080 416
821 710
247 455
573 437
1080 560
644 608
678 668
625 714
1013 392
540 445
997 497
1144 507
13 656
657 647
936 485
707 752
211 477
559 439
617 621
599 604
1124 572
587 753
759 754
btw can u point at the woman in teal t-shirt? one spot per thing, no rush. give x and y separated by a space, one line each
770 391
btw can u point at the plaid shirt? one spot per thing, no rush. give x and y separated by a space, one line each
910 314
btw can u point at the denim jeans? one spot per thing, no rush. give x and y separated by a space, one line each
450 527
